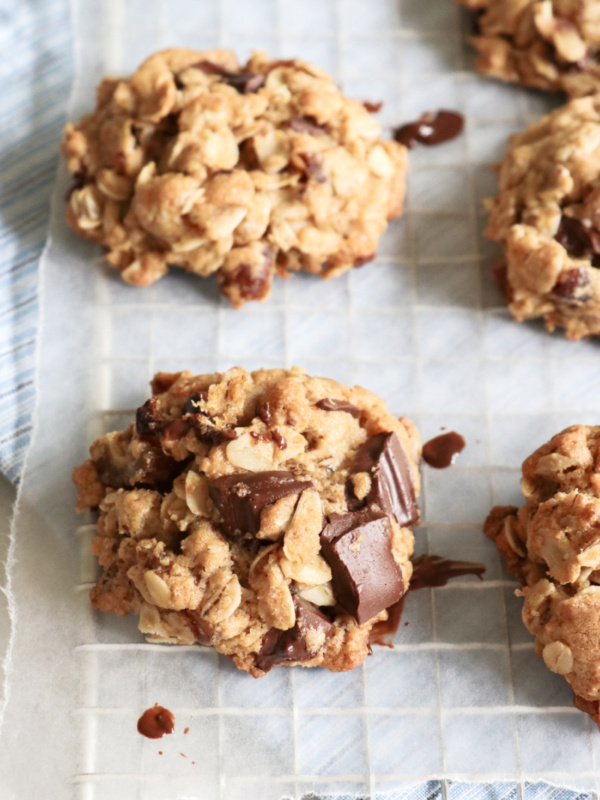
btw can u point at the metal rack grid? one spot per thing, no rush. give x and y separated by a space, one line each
462 697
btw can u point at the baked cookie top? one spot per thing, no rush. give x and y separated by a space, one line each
239 171
267 514
547 217
547 44
552 544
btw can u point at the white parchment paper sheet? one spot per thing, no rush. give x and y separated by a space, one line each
462 695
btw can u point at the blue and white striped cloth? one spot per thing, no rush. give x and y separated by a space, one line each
36 74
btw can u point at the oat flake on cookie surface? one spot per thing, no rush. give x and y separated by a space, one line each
546 44
239 171
267 514
552 544
547 217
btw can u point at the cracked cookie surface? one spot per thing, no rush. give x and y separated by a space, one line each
267 514
546 44
547 217
552 544
239 171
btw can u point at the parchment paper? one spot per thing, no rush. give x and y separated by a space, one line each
462 695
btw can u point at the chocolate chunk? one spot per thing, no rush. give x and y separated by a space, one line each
329 404
241 497
192 404
314 167
362 260
250 281
372 108
282 647
431 129
306 125
569 284
150 422
148 419
392 487
573 236
279 440
208 432
358 548
441 451
243 82
202 629
578 240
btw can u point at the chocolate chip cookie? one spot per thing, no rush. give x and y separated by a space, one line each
239 171
547 44
552 544
547 217
266 514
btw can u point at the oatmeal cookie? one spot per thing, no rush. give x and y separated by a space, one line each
552 544
547 217
238 171
267 514
546 44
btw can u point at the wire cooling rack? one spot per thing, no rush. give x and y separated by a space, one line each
462 696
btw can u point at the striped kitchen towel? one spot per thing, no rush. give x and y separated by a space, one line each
36 73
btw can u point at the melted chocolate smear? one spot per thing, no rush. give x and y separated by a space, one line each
433 571
243 82
155 722
428 572
372 108
441 451
330 404
431 129
383 633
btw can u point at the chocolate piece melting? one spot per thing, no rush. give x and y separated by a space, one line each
441 451
392 487
431 129
241 497
329 404
358 548
282 647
